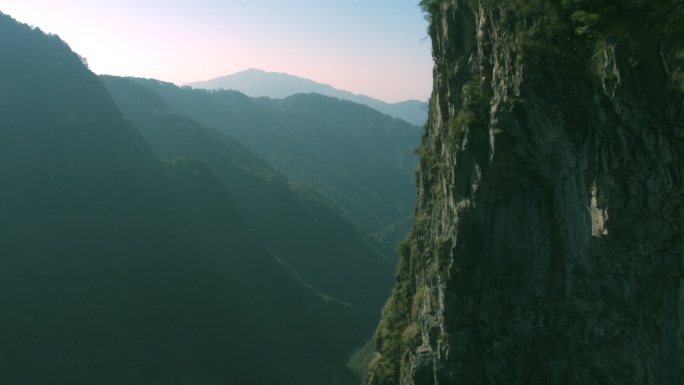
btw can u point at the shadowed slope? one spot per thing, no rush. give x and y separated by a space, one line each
116 267
297 225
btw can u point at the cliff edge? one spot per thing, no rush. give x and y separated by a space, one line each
548 245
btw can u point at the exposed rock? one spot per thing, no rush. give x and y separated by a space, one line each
548 245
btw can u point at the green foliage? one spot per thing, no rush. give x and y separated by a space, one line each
591 17
396 330
120 268
678 79
307 233
428 7
357 157
359 362
389 335
394 233
471 100
417 301
458 124
410 333
585 22
471 93
585 18
404 249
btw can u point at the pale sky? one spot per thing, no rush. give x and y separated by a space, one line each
378 48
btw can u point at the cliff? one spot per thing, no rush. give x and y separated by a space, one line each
548 240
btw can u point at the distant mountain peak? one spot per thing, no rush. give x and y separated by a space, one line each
255 82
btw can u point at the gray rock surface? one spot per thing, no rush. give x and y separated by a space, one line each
549 238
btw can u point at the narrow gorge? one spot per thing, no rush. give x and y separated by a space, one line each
548 241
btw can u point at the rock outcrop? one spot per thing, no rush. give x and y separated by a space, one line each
548 245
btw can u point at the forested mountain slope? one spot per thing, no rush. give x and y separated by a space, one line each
259 83
298 226
360 159
117 267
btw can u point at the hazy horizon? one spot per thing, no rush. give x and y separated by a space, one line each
378 48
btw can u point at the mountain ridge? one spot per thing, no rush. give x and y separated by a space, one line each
296 225
306 138
278 85
119 267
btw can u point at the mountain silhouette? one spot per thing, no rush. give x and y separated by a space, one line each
256 83
304 230
359 158
119 268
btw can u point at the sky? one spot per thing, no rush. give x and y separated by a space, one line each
378 48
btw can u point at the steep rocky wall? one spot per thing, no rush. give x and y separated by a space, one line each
548 245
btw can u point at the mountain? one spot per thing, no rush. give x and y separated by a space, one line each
360 159
117 267
548 244
257 83
303 230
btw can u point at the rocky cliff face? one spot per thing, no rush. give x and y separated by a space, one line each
548 242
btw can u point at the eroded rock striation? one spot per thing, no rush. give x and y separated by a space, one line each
548 243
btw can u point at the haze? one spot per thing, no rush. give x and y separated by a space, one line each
377 48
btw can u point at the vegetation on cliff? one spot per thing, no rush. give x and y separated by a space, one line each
533 101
